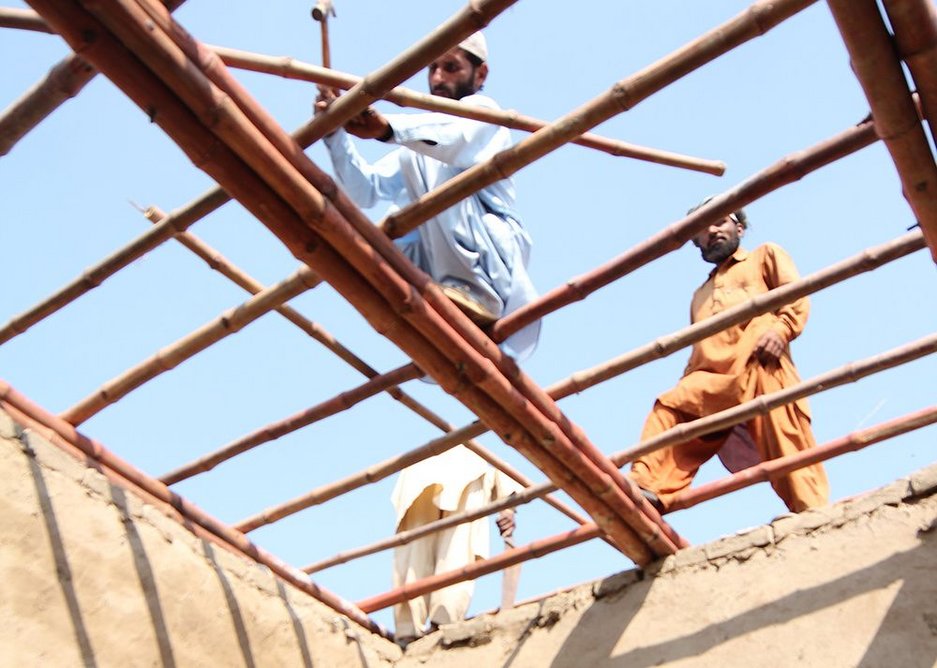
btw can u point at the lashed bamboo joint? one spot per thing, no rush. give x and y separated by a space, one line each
186 88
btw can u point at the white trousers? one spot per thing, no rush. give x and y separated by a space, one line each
436 553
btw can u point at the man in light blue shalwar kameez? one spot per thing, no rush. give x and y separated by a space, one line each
476 250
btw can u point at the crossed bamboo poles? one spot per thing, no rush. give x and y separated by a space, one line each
663 346
927 224
745 27
69 76
259 165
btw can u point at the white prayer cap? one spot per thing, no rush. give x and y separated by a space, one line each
476 45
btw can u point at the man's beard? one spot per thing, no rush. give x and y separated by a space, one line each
718 251
457 91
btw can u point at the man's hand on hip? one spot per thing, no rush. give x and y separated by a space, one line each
769 348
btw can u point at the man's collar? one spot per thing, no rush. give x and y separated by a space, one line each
740 255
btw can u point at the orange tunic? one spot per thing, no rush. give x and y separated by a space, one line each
723 372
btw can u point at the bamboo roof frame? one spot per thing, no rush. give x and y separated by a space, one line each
622 515
152 46
781 173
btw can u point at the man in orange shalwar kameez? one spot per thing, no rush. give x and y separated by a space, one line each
734 366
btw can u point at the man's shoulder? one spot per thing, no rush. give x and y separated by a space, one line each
479 100
769 249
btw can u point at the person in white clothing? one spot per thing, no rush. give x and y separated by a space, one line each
477 250
455 481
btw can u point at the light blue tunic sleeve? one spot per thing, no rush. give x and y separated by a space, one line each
460 142
366 184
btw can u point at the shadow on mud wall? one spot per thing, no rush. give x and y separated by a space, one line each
141 563
237 618
297 624
63 571
595 636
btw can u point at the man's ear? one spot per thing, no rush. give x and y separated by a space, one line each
740 229
481 73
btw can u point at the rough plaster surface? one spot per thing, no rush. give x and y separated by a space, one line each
93 576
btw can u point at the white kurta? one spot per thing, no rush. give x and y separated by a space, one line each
456 481
480 243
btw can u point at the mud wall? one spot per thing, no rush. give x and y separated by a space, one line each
854 584
92 576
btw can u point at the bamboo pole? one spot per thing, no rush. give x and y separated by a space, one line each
479 568
760 473
229 322
868 260
788 170
177 221
305 202
288 67
102 456
275 430
531 493
291 68
873 59
915 26
774 468
218 262
23 19
62 83
624 95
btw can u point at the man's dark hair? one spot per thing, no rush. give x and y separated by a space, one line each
472 58
739 216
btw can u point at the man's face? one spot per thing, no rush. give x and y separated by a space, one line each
720 240
453 76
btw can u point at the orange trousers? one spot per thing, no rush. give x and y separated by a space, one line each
784 431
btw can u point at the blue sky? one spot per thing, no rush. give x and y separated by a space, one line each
64 205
